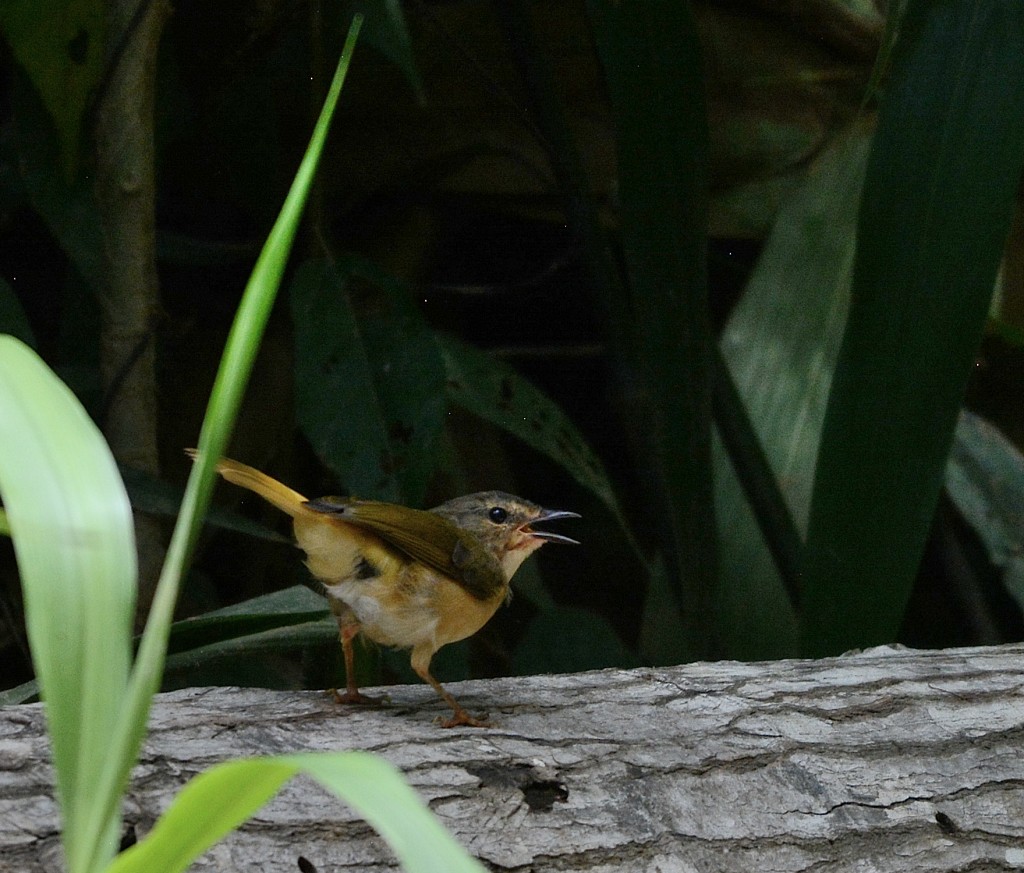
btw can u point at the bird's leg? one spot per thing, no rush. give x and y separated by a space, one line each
348 628
421 656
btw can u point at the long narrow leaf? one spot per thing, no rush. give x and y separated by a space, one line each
248 644
938 196
781 343
225 399
72 528
217 801
653 65
277 609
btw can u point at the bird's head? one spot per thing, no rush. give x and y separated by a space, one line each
503 524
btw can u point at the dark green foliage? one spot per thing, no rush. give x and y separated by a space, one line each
567 639
377 372
496 393
935 212
12 316
383 374
651 56
60 45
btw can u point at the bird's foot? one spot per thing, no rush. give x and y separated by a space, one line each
354 696
462 717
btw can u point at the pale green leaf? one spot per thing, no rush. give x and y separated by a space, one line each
217 801
780 344
73 536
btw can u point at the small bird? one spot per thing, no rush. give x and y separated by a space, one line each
409 578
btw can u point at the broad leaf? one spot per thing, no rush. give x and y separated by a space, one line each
73 536
495 392
59 43
369 390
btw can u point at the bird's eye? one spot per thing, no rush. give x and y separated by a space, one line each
497 514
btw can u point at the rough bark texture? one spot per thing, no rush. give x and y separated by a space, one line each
886 760
125 194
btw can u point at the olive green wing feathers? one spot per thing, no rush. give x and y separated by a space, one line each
424 537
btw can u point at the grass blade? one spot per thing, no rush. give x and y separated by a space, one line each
229 386
935 212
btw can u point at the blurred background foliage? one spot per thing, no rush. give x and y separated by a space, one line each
606 255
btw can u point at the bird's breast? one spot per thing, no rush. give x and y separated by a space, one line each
414 606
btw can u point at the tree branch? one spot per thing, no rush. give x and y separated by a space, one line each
890 759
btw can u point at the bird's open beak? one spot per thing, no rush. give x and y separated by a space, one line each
547 536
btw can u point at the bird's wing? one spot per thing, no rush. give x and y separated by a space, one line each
424 537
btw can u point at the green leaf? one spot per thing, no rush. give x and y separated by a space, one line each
493 391
369 390
939 193
74 540
294 602
781 343
236 365
653 66
293 635
336 403
288 607
216 802
59 43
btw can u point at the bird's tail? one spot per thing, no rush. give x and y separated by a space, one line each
277 493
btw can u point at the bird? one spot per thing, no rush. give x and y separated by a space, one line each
409 578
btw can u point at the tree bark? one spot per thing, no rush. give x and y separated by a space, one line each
129 302
889 759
